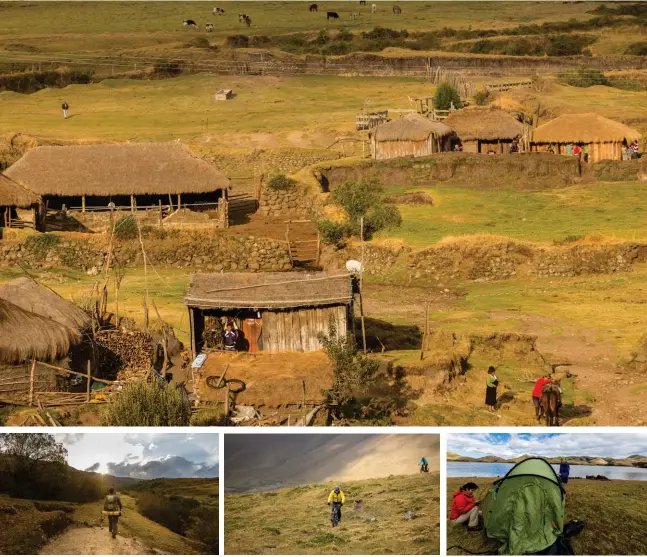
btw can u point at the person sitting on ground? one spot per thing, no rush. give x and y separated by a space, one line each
491 383
538 389
424 464
230 337
465 509
564 470
337 497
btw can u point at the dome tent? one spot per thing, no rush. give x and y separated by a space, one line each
525 509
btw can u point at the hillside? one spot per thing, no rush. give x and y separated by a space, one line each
615 513
639 461
284 460
395 515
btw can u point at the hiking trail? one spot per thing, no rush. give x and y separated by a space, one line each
93 541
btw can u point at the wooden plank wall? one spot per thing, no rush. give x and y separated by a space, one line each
381 150
296 331
14 382
597 151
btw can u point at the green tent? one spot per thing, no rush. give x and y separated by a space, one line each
525 509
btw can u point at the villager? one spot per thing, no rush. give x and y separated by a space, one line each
569 150
230 337
551 149
536 392
465 509
514 146
586 152
630 153
564 470
625 153
636 148
491 384
577 151
65 108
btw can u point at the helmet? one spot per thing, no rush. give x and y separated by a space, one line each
337 489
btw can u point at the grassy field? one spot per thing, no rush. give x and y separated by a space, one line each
374 519
615 511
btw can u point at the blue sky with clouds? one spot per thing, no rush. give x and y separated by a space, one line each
144 455
507 445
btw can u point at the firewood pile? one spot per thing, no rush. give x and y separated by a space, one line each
128 353
212 337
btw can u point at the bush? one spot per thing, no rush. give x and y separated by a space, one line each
337 49
148 405
357 197
567 45
260 40
322 38
237 41
384 33
167 68
637 49
173 512
198 42
205 530
344 35
445 96
481 97
281 182
40 244
583 77
333 233
381 217
126 228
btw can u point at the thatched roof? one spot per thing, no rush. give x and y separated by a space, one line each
36 298
14 195
583 128
25 336
413 127
486 123
116 169
268 290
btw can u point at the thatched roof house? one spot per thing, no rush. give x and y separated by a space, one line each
74 174
604 137
274 312
25 336
36 298
13 196
484 128
411 136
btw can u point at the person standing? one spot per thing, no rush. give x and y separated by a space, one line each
564 470
538 390
491 383
65 108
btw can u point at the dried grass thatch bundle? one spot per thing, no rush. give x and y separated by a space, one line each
36 298
485 123
25 336
584 128
413 127
14 195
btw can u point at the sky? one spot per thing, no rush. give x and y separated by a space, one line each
506 445
144 455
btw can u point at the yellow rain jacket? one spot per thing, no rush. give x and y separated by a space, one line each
336 497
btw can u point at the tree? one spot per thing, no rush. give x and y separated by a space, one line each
31 449
445 96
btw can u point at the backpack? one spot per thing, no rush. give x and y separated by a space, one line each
110 504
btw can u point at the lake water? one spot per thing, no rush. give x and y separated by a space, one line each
493 470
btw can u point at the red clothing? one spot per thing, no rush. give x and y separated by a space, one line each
539 385
462 503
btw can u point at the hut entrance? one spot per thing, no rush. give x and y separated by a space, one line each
211 327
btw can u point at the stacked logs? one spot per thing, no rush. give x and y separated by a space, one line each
128 352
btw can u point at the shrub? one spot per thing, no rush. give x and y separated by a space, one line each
173 512
260 40
344 35
357 197
583 77
637 49
567 45
237 41
281 182
337 49
167 68
148 405
333 233
198 42
445 96
381 217
322 38
481 97
204 528
40 244
209 416
126 228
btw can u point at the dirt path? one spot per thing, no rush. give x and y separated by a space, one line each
93 541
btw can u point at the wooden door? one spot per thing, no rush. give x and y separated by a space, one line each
252 330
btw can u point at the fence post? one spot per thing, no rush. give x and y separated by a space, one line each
89 377
161 215
31 383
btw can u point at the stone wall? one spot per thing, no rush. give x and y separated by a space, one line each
195 251
293 202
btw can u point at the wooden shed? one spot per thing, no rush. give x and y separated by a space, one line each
603 137
18 205
481 129
273 312
224 94
410 136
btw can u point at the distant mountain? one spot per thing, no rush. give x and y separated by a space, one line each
639 461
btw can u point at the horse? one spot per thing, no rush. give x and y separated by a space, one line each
397 10
314 8
549 404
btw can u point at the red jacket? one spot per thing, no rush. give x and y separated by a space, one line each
539 385
463 503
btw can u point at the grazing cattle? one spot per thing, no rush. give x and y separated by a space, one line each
241 18
373 8
248 21
314 8
209 27
189 23
362 2
332 15
218 11
397 10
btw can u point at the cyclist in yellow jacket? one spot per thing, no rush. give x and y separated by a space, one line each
337 498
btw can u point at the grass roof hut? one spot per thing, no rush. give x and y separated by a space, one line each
41 300
13 197
127 174
603 136
274 312
411 136
481 129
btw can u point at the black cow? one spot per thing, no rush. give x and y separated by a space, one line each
397 10
314 8
362 2
332 15
189 23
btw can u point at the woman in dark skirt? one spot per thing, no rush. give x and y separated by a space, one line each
491 384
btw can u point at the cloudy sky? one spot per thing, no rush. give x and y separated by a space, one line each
144 455
615 445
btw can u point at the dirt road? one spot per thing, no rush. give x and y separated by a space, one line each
93 541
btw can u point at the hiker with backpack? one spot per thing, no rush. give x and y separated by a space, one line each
564 470
112 509
465 509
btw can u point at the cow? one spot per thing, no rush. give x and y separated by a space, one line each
332 15
373 8
218 11
397 10
248 21
362 2
241 18
314 8
209 27
189 23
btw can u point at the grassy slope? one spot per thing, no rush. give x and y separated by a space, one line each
205 490
616 513
296 520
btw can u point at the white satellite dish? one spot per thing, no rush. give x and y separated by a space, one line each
354 267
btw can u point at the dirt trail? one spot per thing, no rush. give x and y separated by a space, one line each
93 541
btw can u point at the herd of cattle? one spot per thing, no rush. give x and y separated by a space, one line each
243 18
